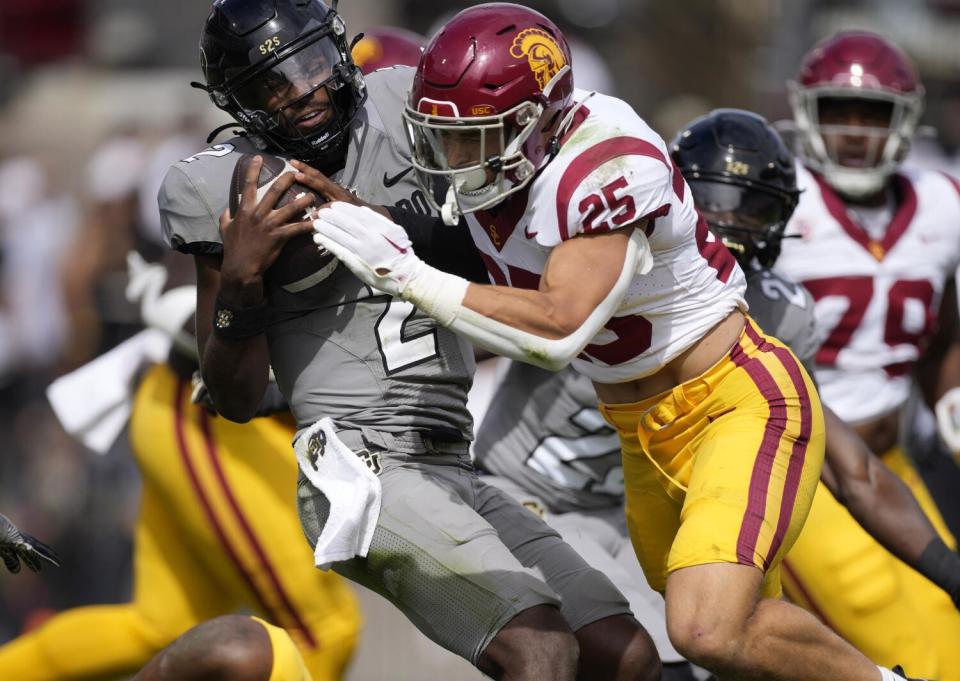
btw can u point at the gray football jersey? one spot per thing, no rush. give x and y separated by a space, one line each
783 308
337 347
543 431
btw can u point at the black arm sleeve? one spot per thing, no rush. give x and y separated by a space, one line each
449 249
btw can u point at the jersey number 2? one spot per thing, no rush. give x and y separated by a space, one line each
398 349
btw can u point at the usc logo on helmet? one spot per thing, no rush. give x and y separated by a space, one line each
542 52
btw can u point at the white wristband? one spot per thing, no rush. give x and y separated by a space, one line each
437 294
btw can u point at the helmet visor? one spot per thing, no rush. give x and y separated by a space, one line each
291 91
459 150
732 204
855 129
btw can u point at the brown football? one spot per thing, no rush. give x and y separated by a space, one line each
301 263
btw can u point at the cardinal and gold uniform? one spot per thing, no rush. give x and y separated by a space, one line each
737 451
878 280
217 531
723 468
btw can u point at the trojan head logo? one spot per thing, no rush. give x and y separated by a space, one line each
542 52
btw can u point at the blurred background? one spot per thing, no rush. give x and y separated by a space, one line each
95 104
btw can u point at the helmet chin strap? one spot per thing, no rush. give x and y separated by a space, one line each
553 146
450 210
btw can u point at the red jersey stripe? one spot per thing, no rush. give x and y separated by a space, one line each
589 160
773 432
798 453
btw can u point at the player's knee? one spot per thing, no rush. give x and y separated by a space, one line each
536 644
704 642
617 649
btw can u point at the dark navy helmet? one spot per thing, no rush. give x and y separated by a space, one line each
743 179
282 69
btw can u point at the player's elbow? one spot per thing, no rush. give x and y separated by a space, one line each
854 487
567 320
234 403
570 331
554 355
235 414
550 360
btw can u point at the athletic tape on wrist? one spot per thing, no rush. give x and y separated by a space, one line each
437 294
941 565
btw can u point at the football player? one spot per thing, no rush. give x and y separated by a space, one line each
599 259
229 647
216 531
548 446
877 248
468 565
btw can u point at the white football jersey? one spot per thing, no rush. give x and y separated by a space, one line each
877 300
613 170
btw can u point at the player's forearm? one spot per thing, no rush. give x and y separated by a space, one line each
236 373
885 507
533 312
235 370
875 497
902 528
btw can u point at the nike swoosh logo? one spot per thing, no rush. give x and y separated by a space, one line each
390 181
402 250
527 233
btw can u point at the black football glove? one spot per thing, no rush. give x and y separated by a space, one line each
16 546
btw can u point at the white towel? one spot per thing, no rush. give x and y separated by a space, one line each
351 487
93 402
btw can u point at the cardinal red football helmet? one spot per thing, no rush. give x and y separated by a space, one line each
485 103
865 66
385 46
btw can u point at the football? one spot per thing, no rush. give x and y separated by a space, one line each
301 263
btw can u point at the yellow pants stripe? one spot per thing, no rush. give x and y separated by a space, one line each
279 608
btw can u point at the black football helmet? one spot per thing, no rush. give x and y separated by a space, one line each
282 69
743 179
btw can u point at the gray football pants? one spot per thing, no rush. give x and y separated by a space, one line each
459 557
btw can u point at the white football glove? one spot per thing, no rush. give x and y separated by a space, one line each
375 249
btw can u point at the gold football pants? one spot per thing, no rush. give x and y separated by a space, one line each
723 468
217 531
889 611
